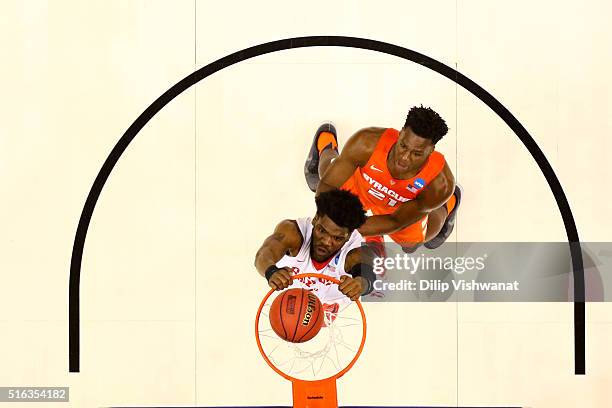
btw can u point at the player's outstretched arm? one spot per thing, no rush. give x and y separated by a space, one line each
355 153
434 196
286 239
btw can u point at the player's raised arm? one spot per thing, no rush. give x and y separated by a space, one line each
356 153
286 239
434 196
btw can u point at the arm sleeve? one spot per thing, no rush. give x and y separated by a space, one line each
365 271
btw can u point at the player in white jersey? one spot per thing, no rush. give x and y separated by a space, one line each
328 244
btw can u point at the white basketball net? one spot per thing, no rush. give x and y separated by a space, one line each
329 352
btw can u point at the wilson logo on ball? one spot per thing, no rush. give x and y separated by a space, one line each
312 301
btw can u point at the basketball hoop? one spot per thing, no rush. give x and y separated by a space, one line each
314 366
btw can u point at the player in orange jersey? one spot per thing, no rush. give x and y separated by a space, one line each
397 175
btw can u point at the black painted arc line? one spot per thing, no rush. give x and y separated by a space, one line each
326 41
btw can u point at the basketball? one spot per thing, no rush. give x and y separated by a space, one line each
296 315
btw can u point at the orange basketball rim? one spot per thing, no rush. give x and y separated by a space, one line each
320 393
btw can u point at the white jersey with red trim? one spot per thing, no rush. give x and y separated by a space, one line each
327 292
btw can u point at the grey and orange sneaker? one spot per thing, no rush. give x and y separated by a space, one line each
449 223
311 167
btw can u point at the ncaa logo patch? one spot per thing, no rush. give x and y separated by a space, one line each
336 259
419 183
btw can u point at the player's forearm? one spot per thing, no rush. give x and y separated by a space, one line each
338 171
265 258
378 225
323 187
386 224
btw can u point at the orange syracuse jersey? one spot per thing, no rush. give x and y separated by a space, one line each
380 193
